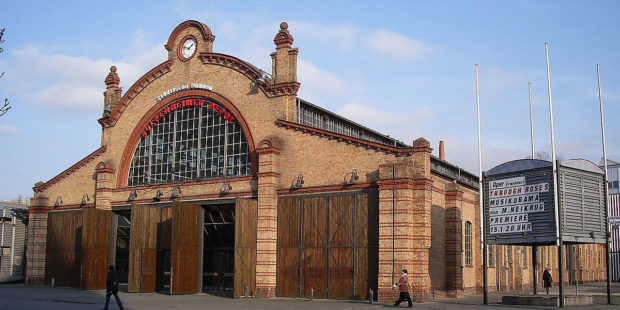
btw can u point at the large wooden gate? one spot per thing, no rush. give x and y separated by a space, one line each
289 246
245 246
186 250
96 234
64 248
328 244
143 248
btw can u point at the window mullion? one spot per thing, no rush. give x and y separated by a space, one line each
225 148
174 145
199 147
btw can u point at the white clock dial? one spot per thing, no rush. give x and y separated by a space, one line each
189 47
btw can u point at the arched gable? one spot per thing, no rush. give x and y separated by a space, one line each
134 138
205 32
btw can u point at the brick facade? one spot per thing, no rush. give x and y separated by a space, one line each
422 212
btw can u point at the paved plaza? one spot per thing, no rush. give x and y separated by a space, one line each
20 297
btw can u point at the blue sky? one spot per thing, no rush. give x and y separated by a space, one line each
404 68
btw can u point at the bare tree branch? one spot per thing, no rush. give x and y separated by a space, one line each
7 104
5 107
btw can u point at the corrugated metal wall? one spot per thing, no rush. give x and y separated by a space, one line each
14 238
582 198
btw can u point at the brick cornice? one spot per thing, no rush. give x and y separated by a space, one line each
70 170
327 188
38 209
133 91
252 73
406 151
267 174
405 183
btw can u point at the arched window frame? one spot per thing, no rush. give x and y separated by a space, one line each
172 126
468 244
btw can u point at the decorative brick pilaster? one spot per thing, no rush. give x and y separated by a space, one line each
267 224
37 240
104 183
454 246
405 225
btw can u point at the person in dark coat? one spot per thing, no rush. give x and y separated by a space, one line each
112 288
547 280
403 288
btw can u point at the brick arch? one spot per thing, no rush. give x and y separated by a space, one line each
134 138
205 32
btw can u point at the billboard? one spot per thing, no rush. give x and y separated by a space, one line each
518 203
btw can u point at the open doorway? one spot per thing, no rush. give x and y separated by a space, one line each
219 249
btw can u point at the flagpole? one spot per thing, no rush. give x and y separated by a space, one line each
558 234
608 260
480 198
211 15
531 119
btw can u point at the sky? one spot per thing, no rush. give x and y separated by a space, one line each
403 68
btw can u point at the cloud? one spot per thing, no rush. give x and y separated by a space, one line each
325 88
55 79
342 36
395 45
9 130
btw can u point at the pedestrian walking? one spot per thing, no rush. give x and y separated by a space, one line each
547 280
112 288
403 288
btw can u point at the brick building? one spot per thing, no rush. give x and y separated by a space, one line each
213 175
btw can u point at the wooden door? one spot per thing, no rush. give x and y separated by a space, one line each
314 238
186 249
245 246
366 245
143 249
340 248
96 234
63 249
289 241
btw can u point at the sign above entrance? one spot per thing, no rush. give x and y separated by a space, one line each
183 104
183 87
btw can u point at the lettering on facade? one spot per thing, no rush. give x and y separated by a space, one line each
511 202
183 87
183 104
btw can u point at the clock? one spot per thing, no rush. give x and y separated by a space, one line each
188 48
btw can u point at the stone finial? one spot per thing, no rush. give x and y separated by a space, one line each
283 37
112 80
421 142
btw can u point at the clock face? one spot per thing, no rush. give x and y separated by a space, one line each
189 48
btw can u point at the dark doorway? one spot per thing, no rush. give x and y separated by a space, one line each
121 259
219 249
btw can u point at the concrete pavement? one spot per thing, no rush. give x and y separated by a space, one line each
20 297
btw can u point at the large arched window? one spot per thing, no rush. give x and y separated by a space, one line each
184 142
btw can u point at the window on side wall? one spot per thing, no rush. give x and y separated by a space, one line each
468 240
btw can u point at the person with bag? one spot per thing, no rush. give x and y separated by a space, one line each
403 288
112 288
547 280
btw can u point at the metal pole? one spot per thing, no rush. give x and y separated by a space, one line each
534 268
480 199
211 16
555 182
607 230
531 119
